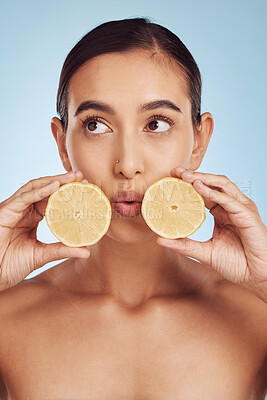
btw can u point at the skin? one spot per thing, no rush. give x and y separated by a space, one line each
144 158
135 320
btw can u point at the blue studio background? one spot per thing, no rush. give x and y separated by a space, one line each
227 40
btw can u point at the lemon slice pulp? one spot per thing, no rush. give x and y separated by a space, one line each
172 208
78 214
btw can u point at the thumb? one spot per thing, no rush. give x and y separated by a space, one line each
45 253
201 251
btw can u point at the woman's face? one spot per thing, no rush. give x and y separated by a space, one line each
147 141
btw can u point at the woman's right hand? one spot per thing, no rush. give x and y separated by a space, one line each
20 251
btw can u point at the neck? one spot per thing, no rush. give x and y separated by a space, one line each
131 273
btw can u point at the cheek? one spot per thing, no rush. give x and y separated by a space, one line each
178 152
75 152
84 156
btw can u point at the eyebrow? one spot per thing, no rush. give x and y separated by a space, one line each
99 106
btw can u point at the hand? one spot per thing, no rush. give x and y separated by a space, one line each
238 247
20 251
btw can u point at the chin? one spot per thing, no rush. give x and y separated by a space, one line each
129 233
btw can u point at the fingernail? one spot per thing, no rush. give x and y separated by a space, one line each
180 169
189 173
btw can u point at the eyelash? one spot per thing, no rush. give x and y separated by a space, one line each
96 118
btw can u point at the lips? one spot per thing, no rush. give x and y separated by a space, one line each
127 209
127 203
127 196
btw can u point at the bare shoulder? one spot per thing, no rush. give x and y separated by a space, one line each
250 315
253 311
28 294
236 299
245 306
237 303
245 301
18 305
21 296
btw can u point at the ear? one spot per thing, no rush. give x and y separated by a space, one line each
56 127
202 137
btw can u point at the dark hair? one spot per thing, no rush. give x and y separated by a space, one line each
123 35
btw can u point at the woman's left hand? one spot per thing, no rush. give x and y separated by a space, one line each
238 247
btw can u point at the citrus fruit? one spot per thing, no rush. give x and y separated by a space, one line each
172 208
78 214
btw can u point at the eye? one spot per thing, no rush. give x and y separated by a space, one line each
160 122
94 125
153 125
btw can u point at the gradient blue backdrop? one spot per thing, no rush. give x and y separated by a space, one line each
227 40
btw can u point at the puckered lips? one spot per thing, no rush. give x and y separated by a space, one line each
127 203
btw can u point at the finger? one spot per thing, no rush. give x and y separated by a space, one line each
239 214
42 182
175 172
40 206
220 182
11 213
45 253
201 251
221 215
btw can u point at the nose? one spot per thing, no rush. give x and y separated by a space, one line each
130 156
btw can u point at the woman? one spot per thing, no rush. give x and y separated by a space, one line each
133 317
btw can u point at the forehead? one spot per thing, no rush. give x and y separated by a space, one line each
128 79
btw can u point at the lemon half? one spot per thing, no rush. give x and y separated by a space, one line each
78 214
172 208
